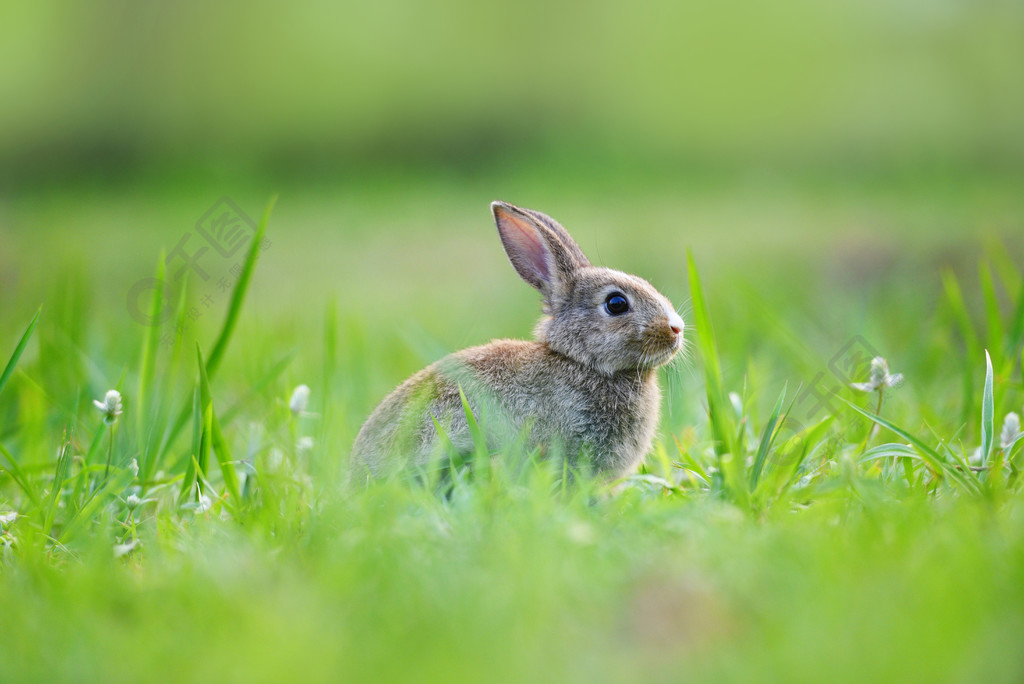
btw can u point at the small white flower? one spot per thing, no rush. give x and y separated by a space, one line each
299 400
204 504
110 407
1011 428
121 550
7 518
133 502
880 377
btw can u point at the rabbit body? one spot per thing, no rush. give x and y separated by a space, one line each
587 386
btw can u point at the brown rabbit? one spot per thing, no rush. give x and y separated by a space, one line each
587 385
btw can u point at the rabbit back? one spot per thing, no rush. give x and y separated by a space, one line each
510 385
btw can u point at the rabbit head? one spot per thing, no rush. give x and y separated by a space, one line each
602 318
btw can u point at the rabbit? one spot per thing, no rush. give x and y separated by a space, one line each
587 384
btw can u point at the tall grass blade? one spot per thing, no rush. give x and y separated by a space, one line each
87 514
808 441
936 461
719 409
22 343
1016 332
189 481
993 319
475 432
767 438
60 475
330 356
231 318
955 298
205 446
987 413
238 293
217 441
147 363
11 467
170 430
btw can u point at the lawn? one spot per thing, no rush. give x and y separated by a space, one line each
786 526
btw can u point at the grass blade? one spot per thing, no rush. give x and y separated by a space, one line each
228 327
87 514
60 474
805 442
993 320
479 441
719 409
189 480
889 450
238 293
147 362
956 304
1016 333
445 444
203 458
935 460
767 438
217 441
12 468
22 343
170 431
955 298
987 413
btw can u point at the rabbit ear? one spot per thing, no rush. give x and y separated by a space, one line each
541 251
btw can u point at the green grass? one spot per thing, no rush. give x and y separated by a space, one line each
766 538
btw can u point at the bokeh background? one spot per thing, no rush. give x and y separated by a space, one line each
827 157
841 171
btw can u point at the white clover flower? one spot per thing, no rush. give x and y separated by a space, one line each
204 504
880 377
133 502
1011 428
299 400
110 407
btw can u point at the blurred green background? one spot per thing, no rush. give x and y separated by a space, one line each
838 136
113 88
826 162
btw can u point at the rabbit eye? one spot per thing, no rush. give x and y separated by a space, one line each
616 304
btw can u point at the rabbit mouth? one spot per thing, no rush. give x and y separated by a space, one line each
660 355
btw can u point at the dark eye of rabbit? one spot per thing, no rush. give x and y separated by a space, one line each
616 304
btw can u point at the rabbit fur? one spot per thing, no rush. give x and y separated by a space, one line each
586 386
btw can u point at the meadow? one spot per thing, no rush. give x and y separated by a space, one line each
786 526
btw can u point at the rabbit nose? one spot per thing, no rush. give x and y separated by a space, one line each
675 321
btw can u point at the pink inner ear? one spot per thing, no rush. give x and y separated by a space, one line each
524 239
